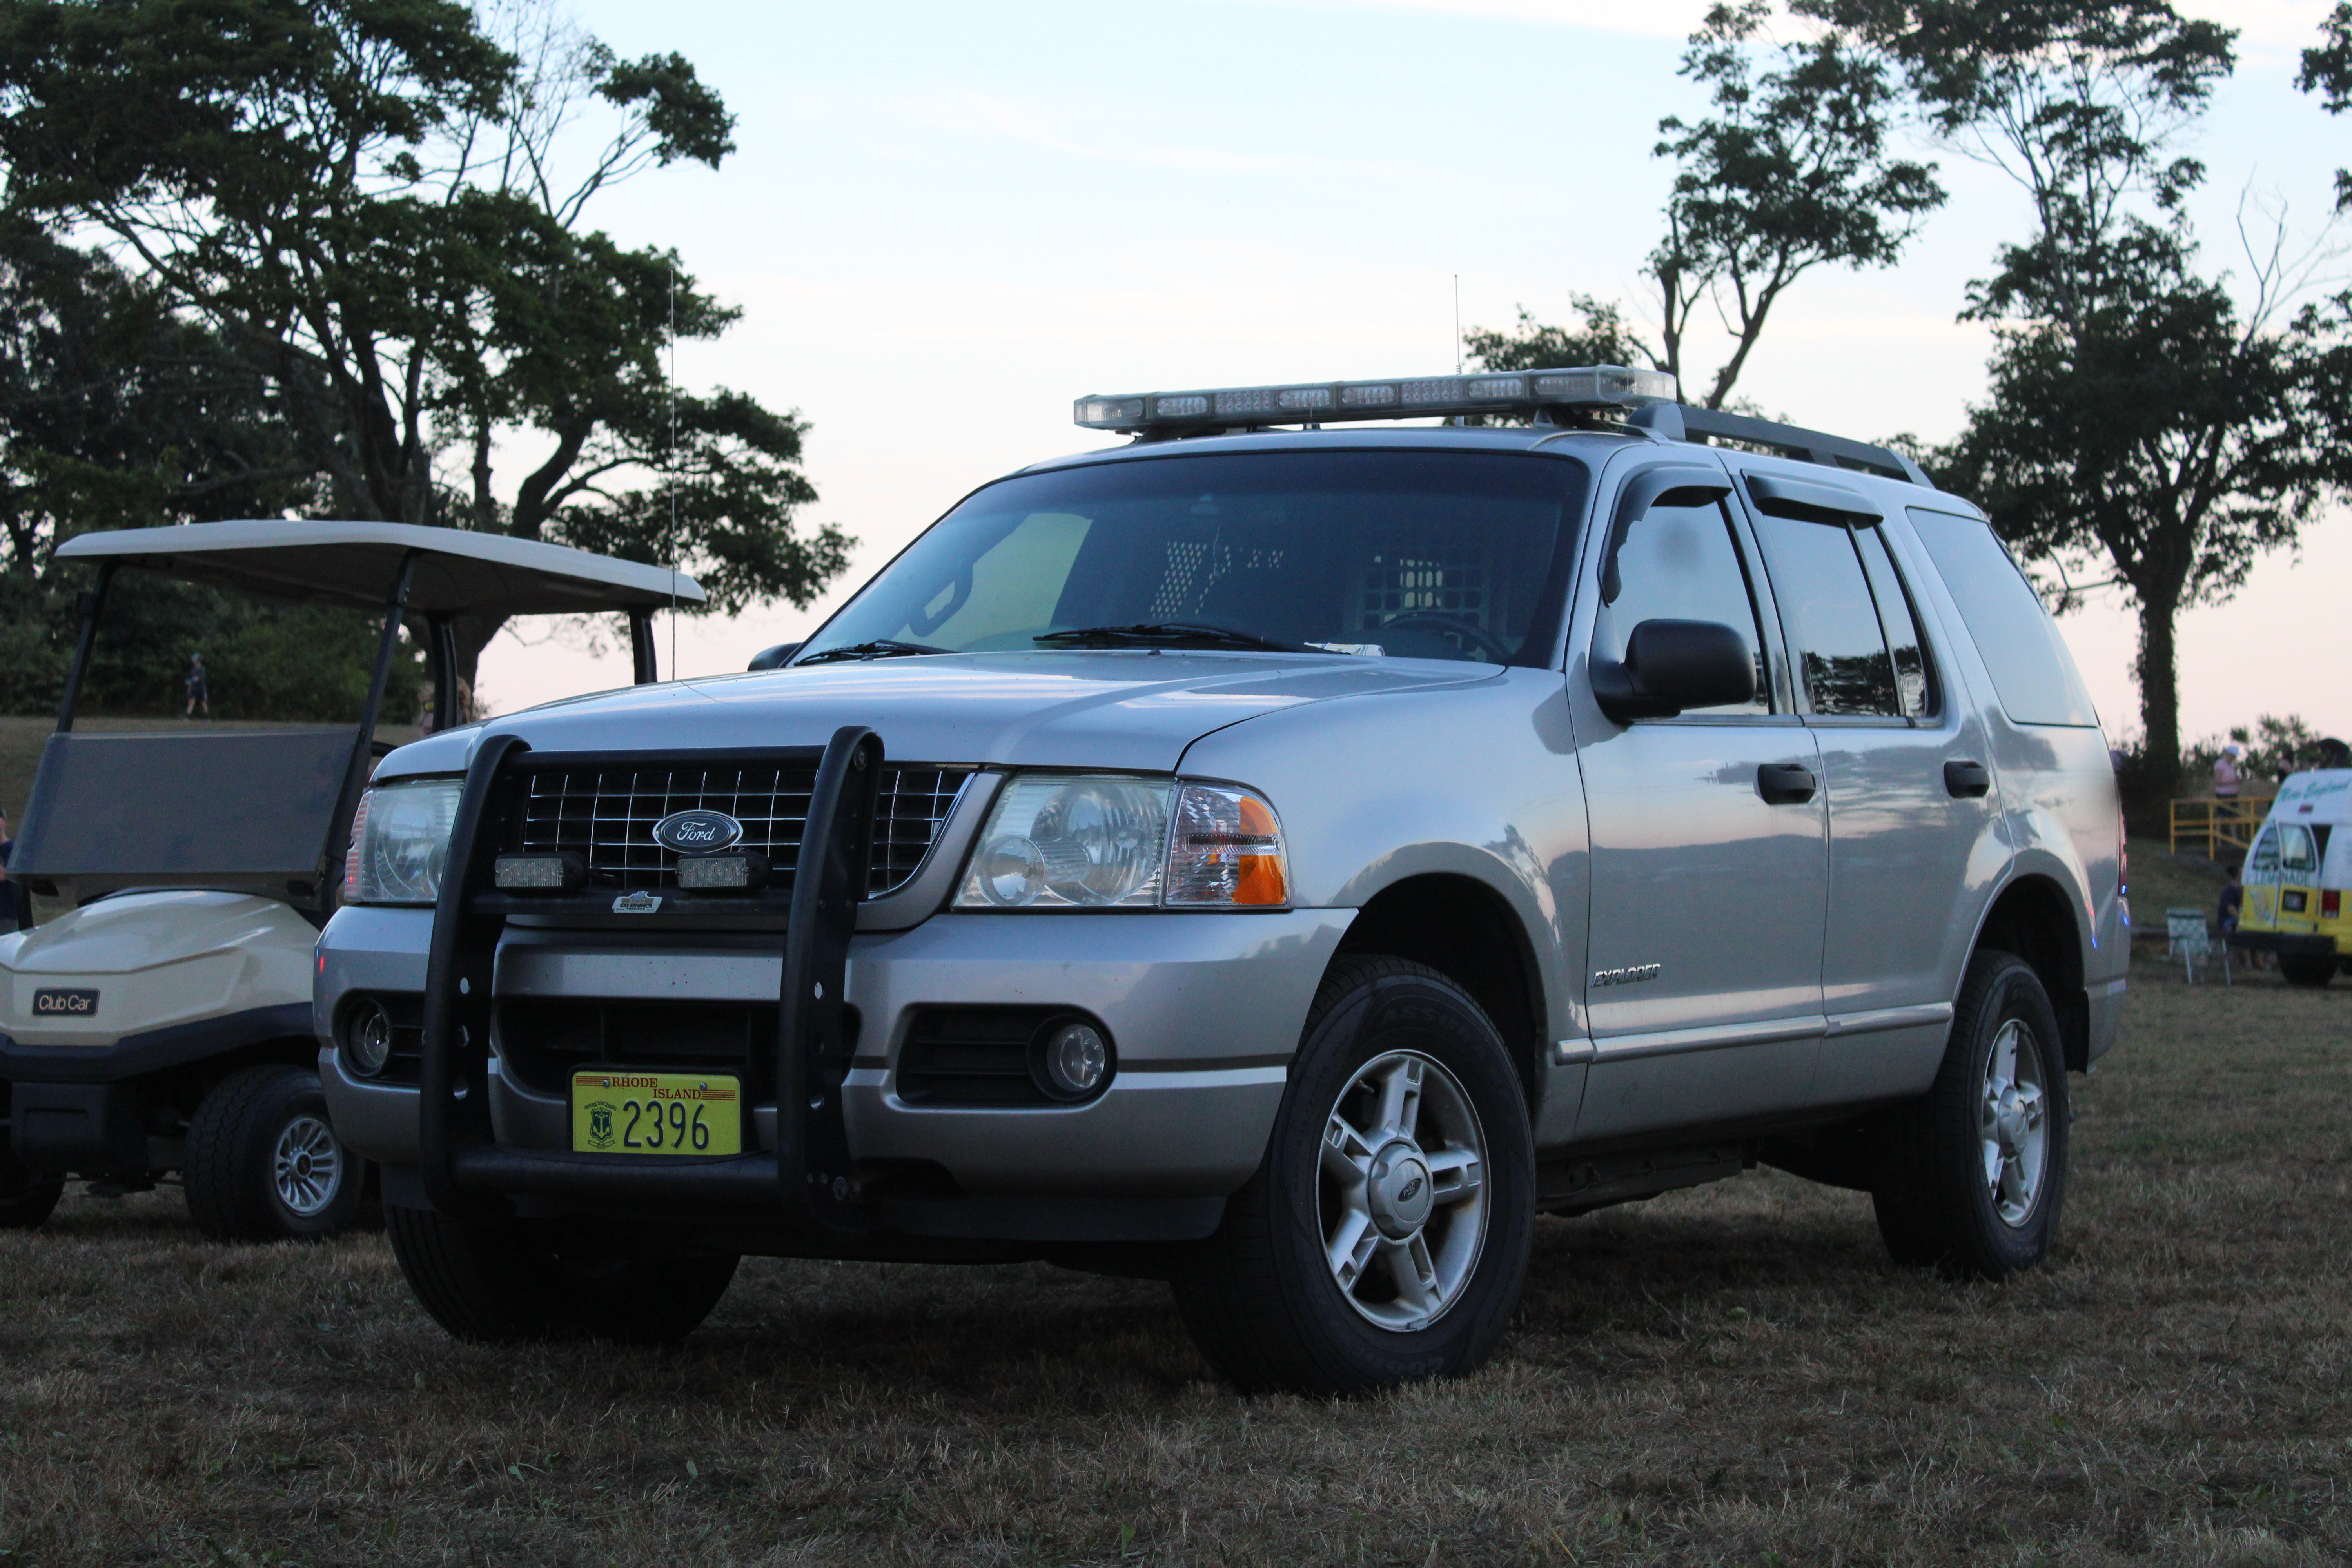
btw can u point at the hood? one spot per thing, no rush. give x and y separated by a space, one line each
131 932
1125 710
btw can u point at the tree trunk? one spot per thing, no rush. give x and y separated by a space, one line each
472 634
2160 694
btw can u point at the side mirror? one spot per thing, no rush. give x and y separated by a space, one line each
771 657
1673 664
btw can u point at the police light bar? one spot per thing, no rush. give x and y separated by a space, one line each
1326 402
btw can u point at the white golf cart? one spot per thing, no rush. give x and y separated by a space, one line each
162 1023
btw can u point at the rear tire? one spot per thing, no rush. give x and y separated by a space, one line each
1386 1234
1970 1177
26 1199
2300 971
551 1279
264 1164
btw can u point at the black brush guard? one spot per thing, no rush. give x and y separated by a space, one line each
807 1180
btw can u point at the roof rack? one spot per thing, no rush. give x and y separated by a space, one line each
1681 422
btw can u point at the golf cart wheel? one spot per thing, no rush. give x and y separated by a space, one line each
1969 1177
552 1279
2296 970
26 1199
264 1163
1386 1234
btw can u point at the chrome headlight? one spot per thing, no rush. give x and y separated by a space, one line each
1106 842
400 843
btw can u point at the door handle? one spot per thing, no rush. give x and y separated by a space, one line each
1967 781
1785 784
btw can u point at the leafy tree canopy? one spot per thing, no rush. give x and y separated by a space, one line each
2139 416
115 412
1790 170
372 206
2327 72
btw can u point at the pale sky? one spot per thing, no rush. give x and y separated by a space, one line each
945 222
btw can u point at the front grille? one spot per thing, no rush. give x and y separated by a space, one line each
607 815
543 1041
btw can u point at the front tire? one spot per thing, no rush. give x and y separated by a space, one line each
26 1199
1385 1236
1970 1176
552 1279
264 1164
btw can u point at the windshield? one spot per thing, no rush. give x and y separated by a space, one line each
1415 554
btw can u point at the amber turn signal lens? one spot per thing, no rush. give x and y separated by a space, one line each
1260 881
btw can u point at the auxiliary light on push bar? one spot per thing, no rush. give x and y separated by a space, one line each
1326 402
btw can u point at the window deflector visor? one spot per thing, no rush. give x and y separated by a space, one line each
1670 484
1807 500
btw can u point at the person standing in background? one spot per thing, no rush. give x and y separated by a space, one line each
198 697
2226 777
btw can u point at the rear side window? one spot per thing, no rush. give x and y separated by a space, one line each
1832 622
1901 624
2030 667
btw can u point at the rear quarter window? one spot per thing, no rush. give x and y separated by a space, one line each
2031 670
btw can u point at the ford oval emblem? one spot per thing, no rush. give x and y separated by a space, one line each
697 832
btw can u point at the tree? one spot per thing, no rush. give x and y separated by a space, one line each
1604 338
361 200
2135 414
115 414
2165 435
1790 171
2327 70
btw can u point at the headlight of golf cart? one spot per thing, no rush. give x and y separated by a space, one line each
1106 842
400 843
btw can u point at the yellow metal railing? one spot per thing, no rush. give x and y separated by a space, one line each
2216 828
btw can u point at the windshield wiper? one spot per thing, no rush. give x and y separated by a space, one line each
881 648
1166 633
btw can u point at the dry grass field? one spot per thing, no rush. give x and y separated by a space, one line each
1733 1375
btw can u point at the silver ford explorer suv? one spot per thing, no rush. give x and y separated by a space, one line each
1283 854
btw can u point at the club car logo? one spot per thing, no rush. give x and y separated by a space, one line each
65 1003
697 832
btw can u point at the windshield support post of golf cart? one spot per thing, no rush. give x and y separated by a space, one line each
641 648
355 778
93 604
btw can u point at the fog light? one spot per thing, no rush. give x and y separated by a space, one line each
561 872
721 873
1076 1059
367 1037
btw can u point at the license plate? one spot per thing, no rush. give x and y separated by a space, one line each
690 1114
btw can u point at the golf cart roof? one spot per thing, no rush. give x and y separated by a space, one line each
312 561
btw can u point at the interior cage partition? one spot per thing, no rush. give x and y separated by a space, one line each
808 1180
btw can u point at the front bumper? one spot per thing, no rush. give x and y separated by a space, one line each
1204 1010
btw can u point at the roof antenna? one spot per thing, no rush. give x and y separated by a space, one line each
1457 324
672 551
